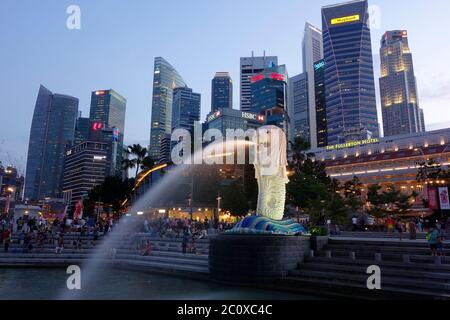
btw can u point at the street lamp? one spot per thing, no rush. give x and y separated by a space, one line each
218 206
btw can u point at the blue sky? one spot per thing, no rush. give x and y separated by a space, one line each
119 39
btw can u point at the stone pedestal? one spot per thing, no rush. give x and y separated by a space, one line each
246 259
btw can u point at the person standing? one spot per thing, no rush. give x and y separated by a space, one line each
185 240
399 228
6 236
433 238
412 230
355 223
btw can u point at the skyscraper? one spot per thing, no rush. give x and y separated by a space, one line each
52 130
86 165
398 89
312 49
349 79
321 110
186 108
269 96
299 107
251 66
221 91
109 107
82 129
108 110
165 79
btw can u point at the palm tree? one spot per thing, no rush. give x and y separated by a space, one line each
139 154
147 163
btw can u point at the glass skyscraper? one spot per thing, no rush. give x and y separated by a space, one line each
109 108
165 79
299 106
186 108
251 66
82 128
321 110
349 79
398 89
221 91
52 131
269 96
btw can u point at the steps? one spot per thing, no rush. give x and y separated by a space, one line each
344 276
166 254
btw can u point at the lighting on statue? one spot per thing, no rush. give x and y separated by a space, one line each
272 177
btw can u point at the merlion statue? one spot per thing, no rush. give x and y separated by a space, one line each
271 173
270 163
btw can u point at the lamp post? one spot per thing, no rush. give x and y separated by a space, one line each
219 198
190 209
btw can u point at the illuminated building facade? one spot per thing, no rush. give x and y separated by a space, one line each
224 119
52 130
320 105
165 79
270 96
251 66
387 161
108 110
86 166
398 89
221 91
312 51
109 107
11 188
349 79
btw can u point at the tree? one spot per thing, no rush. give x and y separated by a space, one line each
311 188
352 193
391 201
112 193
234 199
139 158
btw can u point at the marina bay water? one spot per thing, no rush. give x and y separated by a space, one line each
118 284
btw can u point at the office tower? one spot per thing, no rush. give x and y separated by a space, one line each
398 89
52 130
299 107
109 107
227 118
165 152
251 66
86 166
269 96
349 80
221 91
82 127
165 79
312 49
185 109
321 111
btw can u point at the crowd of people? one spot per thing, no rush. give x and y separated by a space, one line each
34 232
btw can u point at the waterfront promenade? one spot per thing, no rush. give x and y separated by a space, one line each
338 269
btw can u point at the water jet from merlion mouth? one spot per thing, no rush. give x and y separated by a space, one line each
164 187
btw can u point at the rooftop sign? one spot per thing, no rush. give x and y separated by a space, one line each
352 144
346 19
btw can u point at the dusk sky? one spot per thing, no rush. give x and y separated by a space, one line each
119 39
